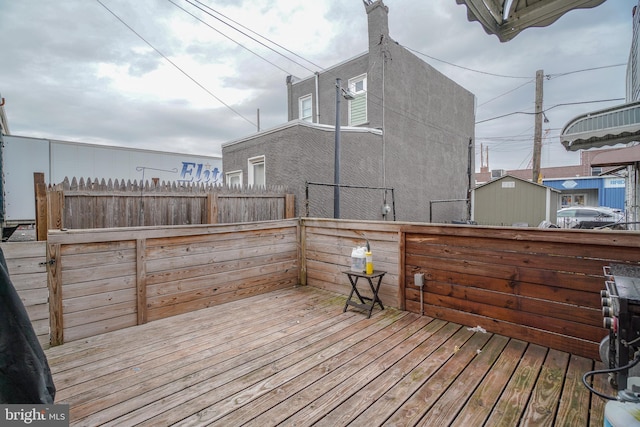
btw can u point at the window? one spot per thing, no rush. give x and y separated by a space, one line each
358 106
234 179
305 108
256 172
566 213
568 200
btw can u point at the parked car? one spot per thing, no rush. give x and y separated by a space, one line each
588 217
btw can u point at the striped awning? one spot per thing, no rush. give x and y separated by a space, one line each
610 126
522 14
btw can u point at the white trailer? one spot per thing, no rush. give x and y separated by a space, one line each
24 156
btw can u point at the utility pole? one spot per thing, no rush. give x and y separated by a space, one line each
537 135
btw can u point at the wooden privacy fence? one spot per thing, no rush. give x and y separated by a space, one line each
326 253
81 204
104 280
28 272
537 285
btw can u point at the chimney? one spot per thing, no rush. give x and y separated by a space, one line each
378 20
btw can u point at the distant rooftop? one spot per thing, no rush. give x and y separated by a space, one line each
608 160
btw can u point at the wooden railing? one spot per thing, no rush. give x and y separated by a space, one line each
327 245
28 273
104 280
537 285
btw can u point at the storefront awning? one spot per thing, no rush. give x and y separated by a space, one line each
610 126
522 14
620 157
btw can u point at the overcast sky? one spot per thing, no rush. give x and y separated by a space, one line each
71 70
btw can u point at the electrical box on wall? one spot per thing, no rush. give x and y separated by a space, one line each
419 279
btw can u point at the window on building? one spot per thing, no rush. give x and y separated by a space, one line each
256 172
568 200
305 108
358 106
234 179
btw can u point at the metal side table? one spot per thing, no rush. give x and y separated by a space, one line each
365 303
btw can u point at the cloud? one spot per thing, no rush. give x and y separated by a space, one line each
72 71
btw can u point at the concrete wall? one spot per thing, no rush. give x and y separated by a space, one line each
302 152
429 134
326 93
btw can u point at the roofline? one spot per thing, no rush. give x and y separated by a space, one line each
119 147
326 70
298 122
576 178
515 177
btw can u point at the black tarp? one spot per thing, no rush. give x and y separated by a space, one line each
25 376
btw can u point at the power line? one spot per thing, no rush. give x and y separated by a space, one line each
584 102
224 35
247 35
550 108
261 36
552 76
506 93
464 68
549 76
502 116
174 64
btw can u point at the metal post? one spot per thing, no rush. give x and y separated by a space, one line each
336 161
393 203
306 198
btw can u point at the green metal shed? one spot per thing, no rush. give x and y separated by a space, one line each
511 201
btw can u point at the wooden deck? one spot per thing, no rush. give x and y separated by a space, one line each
292 357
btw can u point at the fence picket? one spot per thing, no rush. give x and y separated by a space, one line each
106 203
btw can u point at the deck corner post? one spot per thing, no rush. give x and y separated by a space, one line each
401 270
302 252
141 281
54 282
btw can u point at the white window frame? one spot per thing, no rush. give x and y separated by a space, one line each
362 93
301 101
252 162
233 174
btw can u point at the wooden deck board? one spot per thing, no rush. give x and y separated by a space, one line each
293 357
478 407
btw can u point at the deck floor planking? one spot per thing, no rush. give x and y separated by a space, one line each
293 358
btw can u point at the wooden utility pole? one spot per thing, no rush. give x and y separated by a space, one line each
537 135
